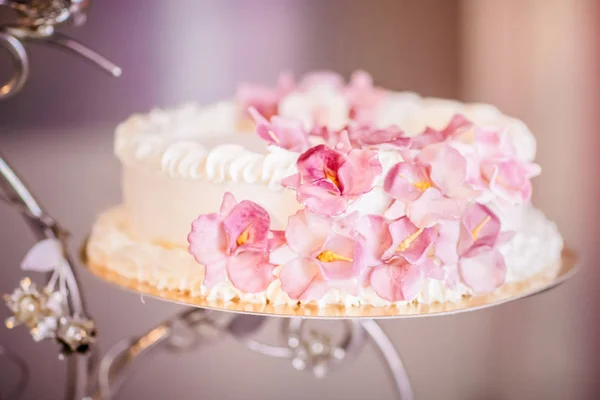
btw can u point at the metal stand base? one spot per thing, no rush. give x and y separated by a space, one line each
307 349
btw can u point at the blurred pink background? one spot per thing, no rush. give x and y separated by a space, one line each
535 59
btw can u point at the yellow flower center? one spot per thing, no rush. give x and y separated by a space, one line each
422 186
330 256
405 244
475 232
243 237
332 177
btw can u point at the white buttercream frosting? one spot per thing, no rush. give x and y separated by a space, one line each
206 142
200 143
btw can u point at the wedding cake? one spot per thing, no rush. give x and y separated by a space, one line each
321 192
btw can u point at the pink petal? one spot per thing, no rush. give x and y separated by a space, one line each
44 256
336 258
390 137
363 96
215 272
433 207
321 197
396 281
451 275
306 232
301 279
376 238
208 240
488 143
397 210
366 135
358 173
406 181
457 125
319 162
276 240
431 270
409 241
454 130
227 204
361 80
247 227
291 182
264 99
330 136
343 144
504 237
285 83
261 98
291 133
287 133
508 178
250 272
282 255
448 167
428 137
483 269
348 224
480 227
446 244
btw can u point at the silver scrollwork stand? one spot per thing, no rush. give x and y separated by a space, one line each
306 349
68 324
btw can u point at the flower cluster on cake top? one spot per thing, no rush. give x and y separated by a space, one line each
437 224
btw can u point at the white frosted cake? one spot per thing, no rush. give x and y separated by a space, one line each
326 192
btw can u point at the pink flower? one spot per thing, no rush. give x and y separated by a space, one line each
376 238
367 136
284 132
457 126
492 162
396 280
319 254
264 99
467 249
363 96
409 241
393 256
481 266
327 179
509 178
234 243
431 188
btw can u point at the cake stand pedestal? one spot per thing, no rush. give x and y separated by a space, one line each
308 350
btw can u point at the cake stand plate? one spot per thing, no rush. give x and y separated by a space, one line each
566 268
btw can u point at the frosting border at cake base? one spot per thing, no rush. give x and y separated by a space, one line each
171 273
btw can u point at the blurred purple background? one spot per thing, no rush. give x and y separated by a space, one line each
535 59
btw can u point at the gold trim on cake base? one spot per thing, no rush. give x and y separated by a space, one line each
566 267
